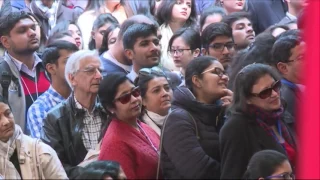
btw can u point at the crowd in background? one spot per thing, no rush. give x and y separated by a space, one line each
150 89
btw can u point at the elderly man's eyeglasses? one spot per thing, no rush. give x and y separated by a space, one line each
91 71
125 98
178 52
267 92
286 176
216 71
220 46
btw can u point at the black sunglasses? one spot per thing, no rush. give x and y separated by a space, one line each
124 99
267 92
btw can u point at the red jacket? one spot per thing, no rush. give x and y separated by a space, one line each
129 147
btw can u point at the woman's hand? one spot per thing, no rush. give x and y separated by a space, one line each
226 100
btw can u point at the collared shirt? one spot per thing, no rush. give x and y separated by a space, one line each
92 127
22 67
39 109
132 75
290 16
108 56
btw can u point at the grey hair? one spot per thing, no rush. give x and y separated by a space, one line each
73 63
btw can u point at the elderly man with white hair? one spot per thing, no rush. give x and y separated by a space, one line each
74 127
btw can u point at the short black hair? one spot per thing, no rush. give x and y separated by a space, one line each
264 163
56 36
51 54
281 50
235 16
136 31
270 29
214 30
164 13
211 10
189 35
102 20
101 169
7 23
196 67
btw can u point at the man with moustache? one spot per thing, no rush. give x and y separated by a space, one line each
22 76
217 41
74 127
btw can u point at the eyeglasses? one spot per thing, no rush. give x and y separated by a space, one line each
286 176
220 46
154 70
91 71
267 92
125 98
216 71
179 52
299 58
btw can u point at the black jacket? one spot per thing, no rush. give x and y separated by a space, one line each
184 156
62 130
240 138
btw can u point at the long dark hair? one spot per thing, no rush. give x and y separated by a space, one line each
105 46
164 13
244 82
263 164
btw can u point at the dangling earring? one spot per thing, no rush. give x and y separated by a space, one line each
221 2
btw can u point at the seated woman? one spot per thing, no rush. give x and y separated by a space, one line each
156 96
103 170
22 157
255 122
269 164
184 46
190 142
128 141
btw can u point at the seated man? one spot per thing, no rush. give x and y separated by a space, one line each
22 157
217 41
74 127
287 56
54 59
242 30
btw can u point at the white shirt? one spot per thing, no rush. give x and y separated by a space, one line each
22 67
108 56
132 75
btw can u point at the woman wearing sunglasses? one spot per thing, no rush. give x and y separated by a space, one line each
267 165
190 141
128 141
156 94
255 122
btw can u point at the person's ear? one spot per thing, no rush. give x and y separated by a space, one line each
5 42
249 101
51 68
144 102
128 53
204 51
196 81
196 53
72 80
111 110
282 68
92 34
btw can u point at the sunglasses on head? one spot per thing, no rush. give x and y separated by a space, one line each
267 92
125 98
154 70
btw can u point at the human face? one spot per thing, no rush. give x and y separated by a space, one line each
146 52
130 110
270 103
61 64
181 10
243 33
184 58
76 34
23 38
97 35
224 56
6 122
158 96
284 168
214 18
213 86
87 78
233 5
112 38
295 64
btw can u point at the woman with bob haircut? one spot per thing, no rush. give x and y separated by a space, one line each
256 121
